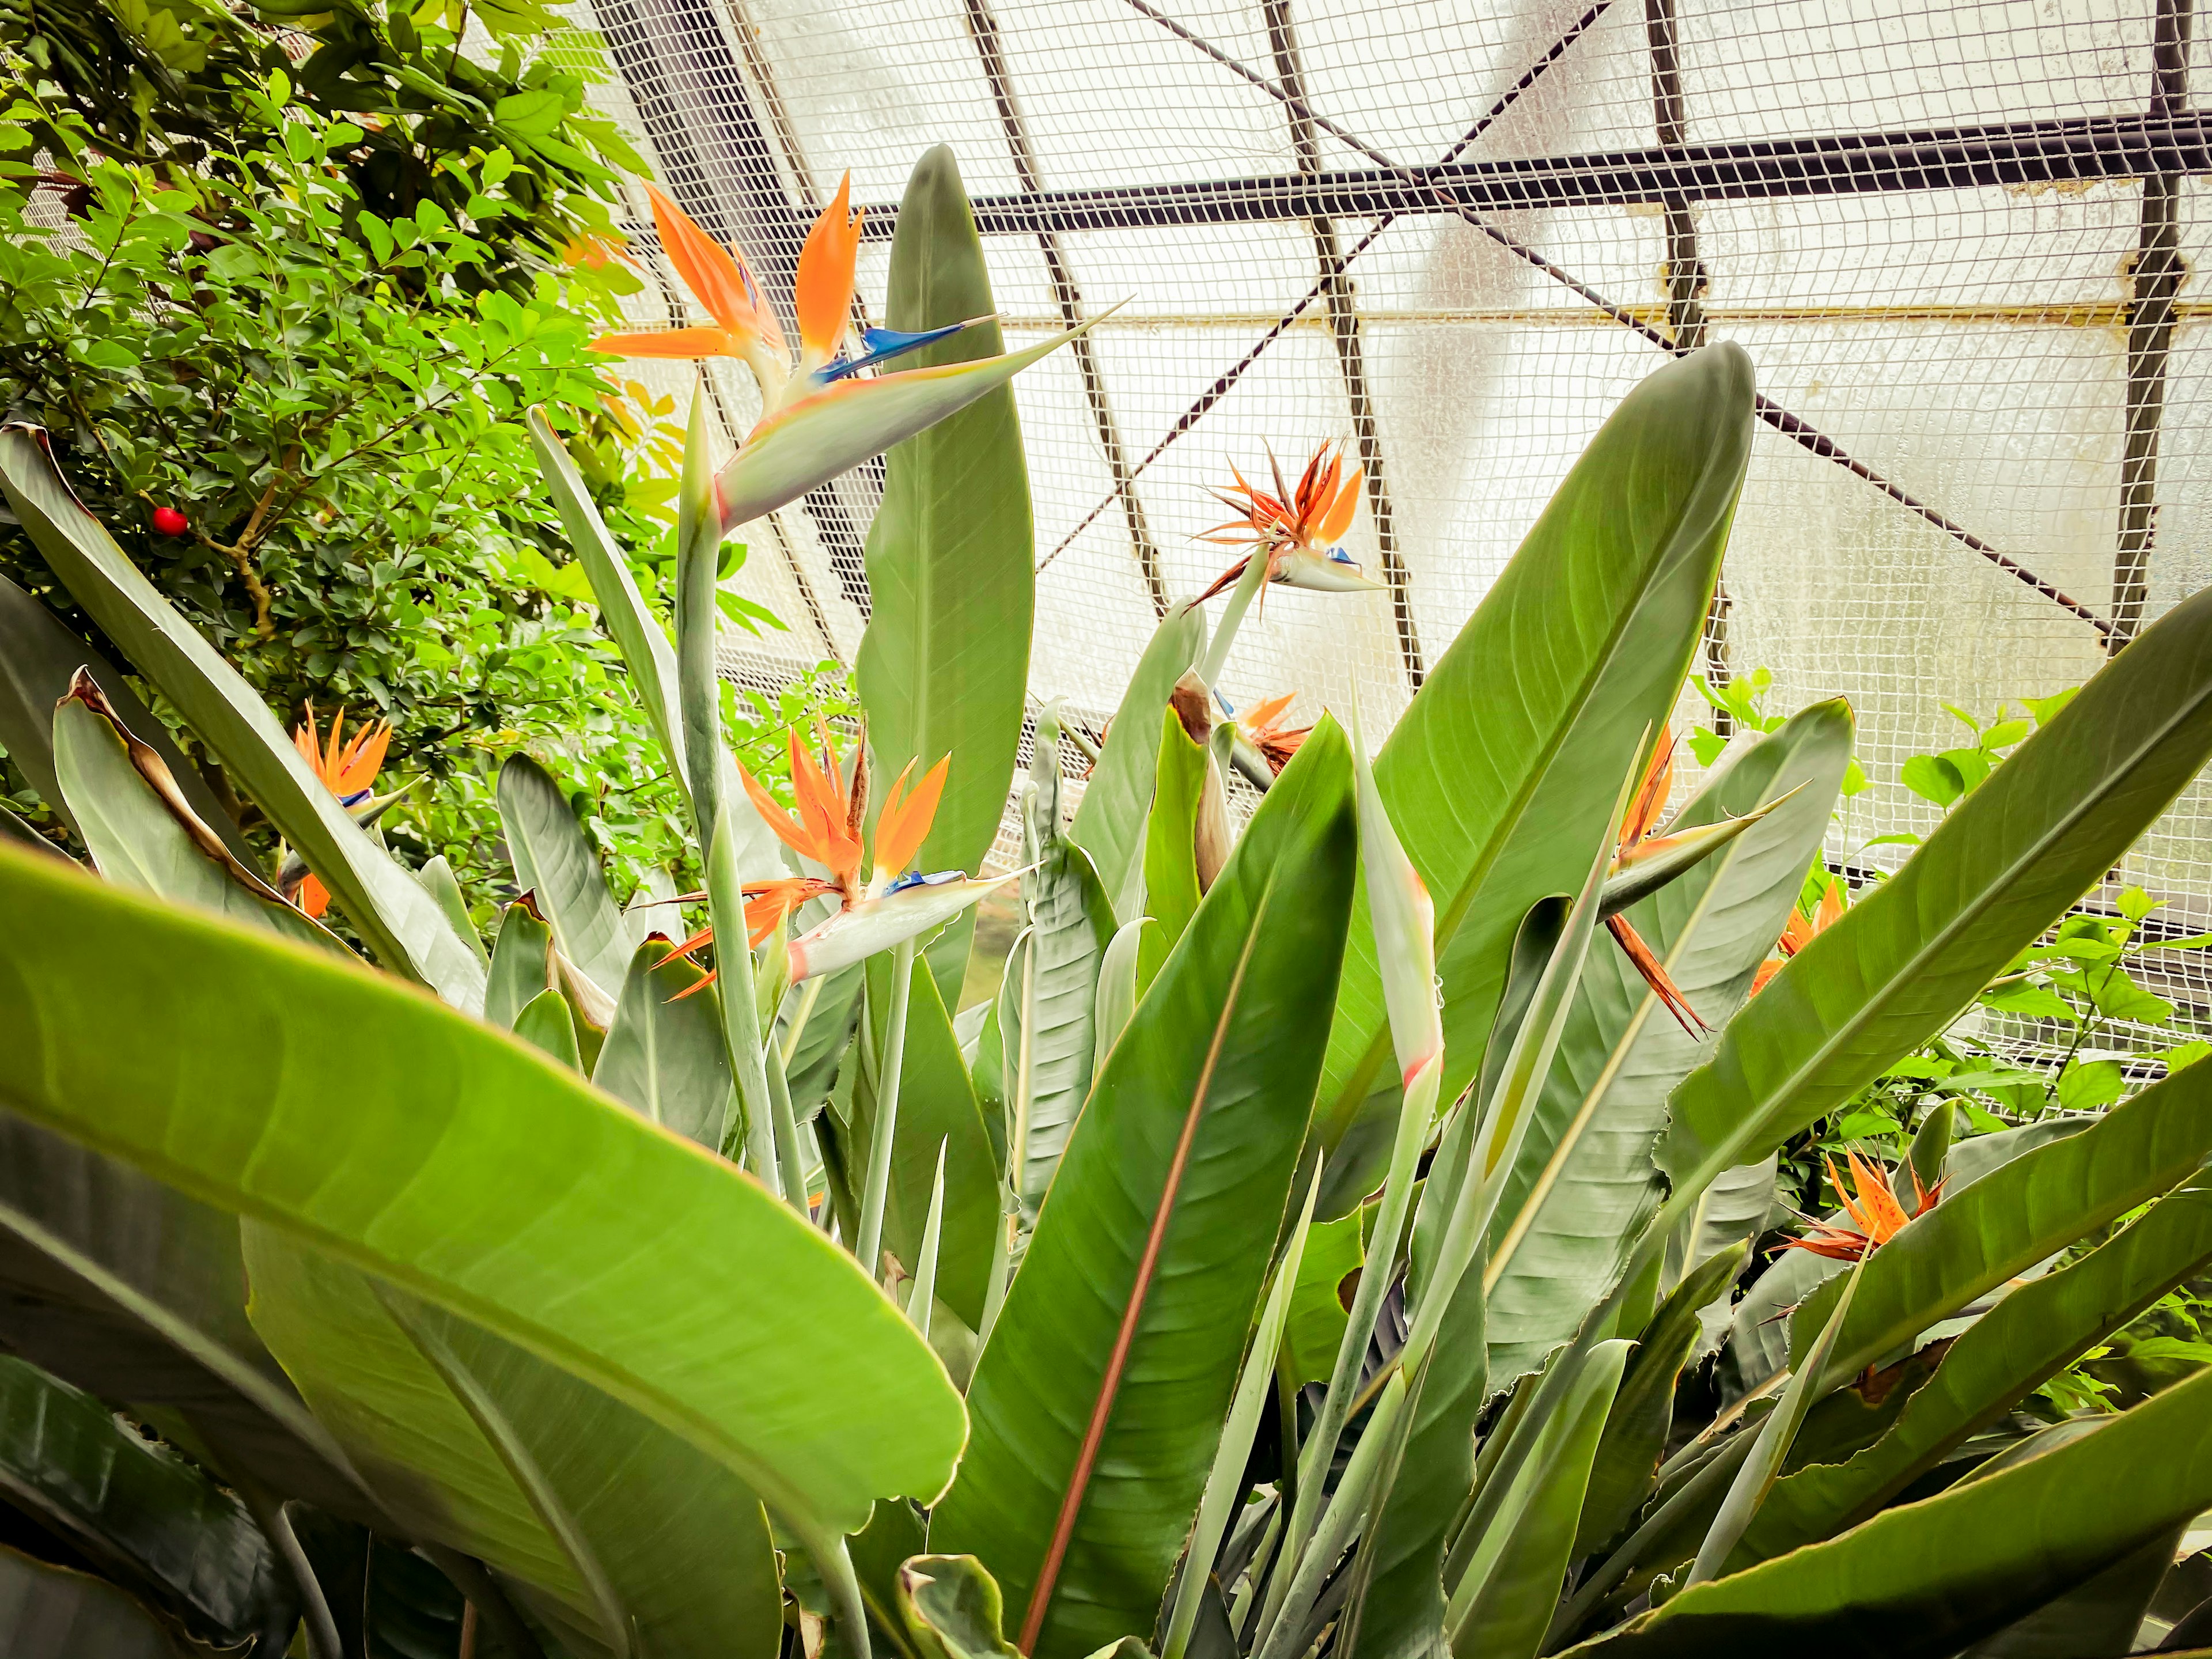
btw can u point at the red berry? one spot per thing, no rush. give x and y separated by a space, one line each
168 522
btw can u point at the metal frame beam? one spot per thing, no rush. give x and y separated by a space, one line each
2031 152
1351 349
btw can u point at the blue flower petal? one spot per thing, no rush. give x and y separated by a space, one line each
883 344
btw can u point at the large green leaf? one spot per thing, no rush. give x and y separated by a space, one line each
679 1548
1926 1579
39 657
137 1509
944 667
1505 1605
400 922
2008 1351
430 1464
472 1172
1583 1183
1109 823
51 1613
130 1291
664 1053
2014 1217
1501 773
1170 853
2002 867
553 860
936 1106
1127 1324
1071 924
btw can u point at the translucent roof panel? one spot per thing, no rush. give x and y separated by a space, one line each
1453 236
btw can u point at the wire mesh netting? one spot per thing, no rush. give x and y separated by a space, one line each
1958 241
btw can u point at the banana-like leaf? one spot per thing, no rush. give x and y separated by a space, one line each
953 1608
428 1462
141 1512
665 1056
400 922
1501 773
521 966
1071 925
1170 859
1503 1608
52 1612
546 1026
2009 1350
39 657
944 667
680 1561
1916 949
553 861
440 881
1117 988
937 1107
141 832
1927 1579
130 1291
510 1193
1096 1403
1109 823
2015 1217
2101 1619
1583 1183
1642 1412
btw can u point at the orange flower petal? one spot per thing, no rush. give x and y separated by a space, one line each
823 296
905 821
1654 974
789 834
688 343
714 277
314 898
1650 794
1338 517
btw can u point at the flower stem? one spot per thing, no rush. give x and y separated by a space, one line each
868 1246
1240 600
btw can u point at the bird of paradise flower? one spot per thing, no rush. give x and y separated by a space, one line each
348 768
897 904
818 416
1875 1215
1298 531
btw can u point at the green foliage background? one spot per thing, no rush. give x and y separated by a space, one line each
304 302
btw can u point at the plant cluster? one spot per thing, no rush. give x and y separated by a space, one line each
1330 1241
295 398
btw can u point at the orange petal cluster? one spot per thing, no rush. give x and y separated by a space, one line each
1799 932
720 280
1262 725
1310 518
827 828
346 766
904 823
1875 1215
1643 817
348 769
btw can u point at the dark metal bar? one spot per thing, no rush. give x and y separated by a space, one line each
1351 354
2154 280
2034 152
984 27
1228 377
685 80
